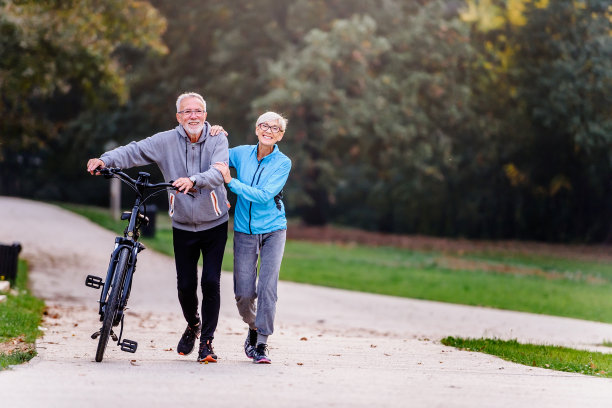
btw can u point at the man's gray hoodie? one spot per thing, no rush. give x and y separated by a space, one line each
177 157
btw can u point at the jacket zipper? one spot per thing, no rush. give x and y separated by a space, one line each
250 202
259 178
187 144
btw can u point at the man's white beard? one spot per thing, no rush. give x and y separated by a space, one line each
194 130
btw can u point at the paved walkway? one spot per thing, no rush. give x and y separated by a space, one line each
330 347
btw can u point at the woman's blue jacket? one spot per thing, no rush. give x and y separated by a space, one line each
257 183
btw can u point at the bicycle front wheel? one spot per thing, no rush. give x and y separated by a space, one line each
112 302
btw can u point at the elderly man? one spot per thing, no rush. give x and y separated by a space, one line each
199 224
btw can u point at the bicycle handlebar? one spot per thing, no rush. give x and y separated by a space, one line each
110 172
114 171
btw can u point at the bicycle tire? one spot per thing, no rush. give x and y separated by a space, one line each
112 303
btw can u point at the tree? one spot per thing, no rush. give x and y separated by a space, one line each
331 72
60 57
219 49
373 117
548 84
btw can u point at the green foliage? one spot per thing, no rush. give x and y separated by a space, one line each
315 86
373 115
58 59
545 77
455 118
20 317
77 42
16 357
21 313
543 356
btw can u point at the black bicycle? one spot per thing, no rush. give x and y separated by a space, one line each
118 284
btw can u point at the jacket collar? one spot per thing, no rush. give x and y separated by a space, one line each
275 151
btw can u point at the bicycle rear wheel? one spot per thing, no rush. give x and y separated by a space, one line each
112 302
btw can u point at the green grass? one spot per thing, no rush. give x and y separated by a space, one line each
16 357
564 287
413 274
20 317
549 357
570 269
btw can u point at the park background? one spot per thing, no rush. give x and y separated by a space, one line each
488 120
477 119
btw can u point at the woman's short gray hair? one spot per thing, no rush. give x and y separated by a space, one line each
272 116
189 95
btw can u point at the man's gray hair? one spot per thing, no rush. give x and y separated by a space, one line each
189 95
272 116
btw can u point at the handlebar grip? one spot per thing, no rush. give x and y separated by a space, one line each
107 172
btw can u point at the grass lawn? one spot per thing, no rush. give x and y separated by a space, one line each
20 317
549 357
422 275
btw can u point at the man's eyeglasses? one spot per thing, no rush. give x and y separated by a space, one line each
188 112
265 127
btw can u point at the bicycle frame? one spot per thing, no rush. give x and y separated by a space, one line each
120 285
135 248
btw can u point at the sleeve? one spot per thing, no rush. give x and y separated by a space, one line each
266 192
232 157
134 154
212 177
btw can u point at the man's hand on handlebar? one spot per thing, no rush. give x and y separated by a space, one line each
94 164
184 185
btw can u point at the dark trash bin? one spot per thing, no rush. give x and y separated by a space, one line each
9 254
149 230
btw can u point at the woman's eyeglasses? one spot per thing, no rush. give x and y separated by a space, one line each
265 127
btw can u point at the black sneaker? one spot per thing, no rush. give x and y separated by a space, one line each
207 354
249 343
187 341
261 354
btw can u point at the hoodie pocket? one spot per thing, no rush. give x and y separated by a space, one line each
180 208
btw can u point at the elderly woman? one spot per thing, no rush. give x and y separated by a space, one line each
260 228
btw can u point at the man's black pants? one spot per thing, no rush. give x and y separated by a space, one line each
187 248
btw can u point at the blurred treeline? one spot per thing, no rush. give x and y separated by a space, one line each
483 119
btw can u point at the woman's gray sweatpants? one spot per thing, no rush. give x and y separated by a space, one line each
247 248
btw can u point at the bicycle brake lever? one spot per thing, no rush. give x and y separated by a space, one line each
104 171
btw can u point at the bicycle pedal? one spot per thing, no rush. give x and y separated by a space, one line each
93 281
128 345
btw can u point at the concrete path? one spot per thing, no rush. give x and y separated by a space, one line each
330 348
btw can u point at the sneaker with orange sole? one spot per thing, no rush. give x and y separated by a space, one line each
206 353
